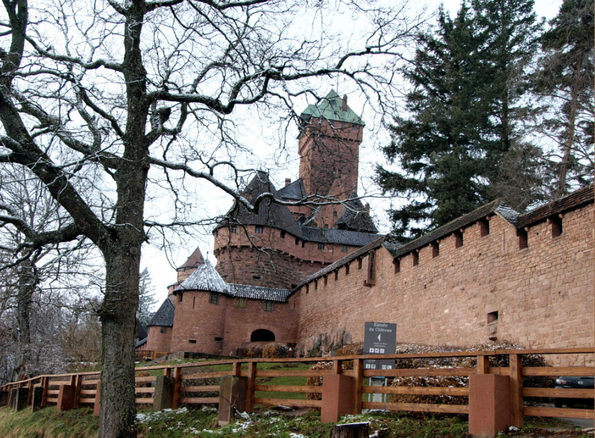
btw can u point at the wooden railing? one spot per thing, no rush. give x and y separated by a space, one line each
198 383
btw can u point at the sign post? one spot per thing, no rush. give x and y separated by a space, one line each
380 338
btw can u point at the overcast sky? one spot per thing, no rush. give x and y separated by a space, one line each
159 265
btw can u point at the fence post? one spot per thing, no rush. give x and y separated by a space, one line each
21 396
489 404
337 395
358 371
232 397
252 367
66 396
97 404
175 403
45 383
78 383
483 365
37 399
516 391
164 392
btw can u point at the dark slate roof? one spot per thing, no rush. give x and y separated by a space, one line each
268 214
194 261
294 191
339 237
355 217
141 331
164 316
258 293
570 202
205 278
345 260
140 343
331 108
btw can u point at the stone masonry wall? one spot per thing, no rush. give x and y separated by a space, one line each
158 340
540 296
285 266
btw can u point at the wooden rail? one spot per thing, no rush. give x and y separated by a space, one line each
198 383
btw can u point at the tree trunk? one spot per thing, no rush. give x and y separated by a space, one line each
118 318
27 281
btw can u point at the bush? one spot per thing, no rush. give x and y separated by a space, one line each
266 350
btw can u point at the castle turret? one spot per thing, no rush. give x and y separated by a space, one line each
329 141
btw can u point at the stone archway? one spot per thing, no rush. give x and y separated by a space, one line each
262 335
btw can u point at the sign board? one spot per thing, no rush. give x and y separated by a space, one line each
380 338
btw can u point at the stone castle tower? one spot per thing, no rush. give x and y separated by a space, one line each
280 245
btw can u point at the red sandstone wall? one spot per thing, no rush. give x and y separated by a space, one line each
241 322
198 320
157 341
285 266
543 294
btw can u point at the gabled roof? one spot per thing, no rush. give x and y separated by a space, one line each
339 237
331 108
164 317
268 214
294 191
355 217
194 261
574 200
205 278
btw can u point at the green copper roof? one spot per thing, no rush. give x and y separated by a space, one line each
331 108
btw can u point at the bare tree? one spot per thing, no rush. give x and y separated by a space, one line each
100 100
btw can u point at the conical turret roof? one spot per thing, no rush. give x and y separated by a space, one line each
331 108
205 278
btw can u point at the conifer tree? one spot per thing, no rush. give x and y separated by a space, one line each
467 82
565 83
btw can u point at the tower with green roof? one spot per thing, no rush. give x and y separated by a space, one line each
329 141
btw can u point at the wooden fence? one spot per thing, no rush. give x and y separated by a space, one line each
198 383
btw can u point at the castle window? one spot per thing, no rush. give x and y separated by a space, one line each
193 302
335 214
297 241
336 275
315 284
371 280
435 249
214 298
192 341
325 280
397 263
359 263
344 248
321 246
282 234
233 228
415 256
493 317
347 269
556 222
269 306
163 329
241 303
180 297
258 229
484 227
523 238
218 339
458 238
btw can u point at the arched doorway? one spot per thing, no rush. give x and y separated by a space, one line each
262 335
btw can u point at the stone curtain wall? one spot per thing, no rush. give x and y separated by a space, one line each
540 296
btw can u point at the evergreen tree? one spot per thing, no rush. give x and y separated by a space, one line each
146 298
467 82
565 83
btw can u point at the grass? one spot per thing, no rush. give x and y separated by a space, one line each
189 423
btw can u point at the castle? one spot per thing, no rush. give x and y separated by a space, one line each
310 274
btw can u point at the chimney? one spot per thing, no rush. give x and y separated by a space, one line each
287 181
344 102
367 207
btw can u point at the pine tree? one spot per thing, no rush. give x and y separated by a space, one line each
565 83
467 81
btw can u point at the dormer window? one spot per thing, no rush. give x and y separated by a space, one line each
258 229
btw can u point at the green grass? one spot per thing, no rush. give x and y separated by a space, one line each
188 423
